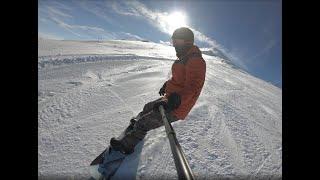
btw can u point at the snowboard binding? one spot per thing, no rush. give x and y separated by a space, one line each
116 143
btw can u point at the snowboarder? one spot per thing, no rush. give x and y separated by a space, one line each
180 92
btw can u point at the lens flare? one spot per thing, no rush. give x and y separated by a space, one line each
175 20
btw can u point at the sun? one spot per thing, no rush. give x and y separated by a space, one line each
175 20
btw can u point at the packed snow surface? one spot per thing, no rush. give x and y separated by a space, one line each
89 90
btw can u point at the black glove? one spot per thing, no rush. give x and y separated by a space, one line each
173 103
162 90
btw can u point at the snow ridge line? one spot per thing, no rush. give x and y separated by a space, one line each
56 60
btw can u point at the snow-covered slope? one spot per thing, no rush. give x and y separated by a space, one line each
88 91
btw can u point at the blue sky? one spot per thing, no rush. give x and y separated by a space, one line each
248 31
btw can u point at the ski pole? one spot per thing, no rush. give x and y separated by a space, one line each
181 163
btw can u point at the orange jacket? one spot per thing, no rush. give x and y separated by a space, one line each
188 76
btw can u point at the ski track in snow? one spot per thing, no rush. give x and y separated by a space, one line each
86 97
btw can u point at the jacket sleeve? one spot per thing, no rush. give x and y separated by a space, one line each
195 76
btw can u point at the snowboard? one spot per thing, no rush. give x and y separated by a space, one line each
111 161
105 165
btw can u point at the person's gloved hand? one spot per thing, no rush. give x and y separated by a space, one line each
174 101
162 90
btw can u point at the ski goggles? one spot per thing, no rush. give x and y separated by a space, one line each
179 42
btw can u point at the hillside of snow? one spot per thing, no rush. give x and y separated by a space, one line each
88 91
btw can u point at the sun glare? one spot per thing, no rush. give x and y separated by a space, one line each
176 20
